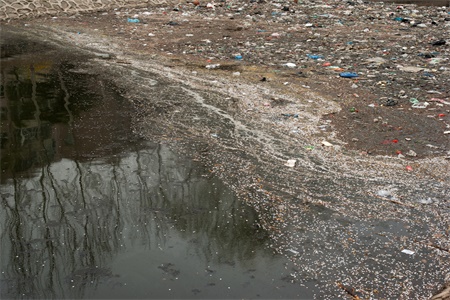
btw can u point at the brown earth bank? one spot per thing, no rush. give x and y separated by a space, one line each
398 62
393 117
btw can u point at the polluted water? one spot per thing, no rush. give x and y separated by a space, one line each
89 210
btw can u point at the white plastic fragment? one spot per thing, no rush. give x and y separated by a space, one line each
291 163
426 201
411 153
411 69
409 252
384 193
327 144
290 65
213 66
378 60
420 105
293 251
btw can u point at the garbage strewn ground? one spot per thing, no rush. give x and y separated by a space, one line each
331 118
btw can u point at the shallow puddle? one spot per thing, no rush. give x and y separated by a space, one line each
91 211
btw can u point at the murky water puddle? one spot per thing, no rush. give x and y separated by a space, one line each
90 211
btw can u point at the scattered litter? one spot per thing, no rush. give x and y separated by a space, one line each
314 56
384 193
439 43
409 252
414 101
103 55
290 65
426 201
348 75
411 69
376 60
327 144
133 20
293 251
411 153
291 163
420 105
388 102
213 66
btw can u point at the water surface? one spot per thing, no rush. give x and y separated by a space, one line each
91 211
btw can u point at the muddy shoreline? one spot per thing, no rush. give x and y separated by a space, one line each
354 207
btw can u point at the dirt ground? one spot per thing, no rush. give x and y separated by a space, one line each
377 115
283 65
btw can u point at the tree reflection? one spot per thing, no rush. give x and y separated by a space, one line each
61 229
65 220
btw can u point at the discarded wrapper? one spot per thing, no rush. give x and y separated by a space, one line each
290 163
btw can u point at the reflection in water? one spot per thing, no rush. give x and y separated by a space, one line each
89 212
62 228
50 110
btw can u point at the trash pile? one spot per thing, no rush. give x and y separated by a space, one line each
386 65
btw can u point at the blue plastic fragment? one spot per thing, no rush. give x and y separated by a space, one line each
314 56
133 20
348 75
238 57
